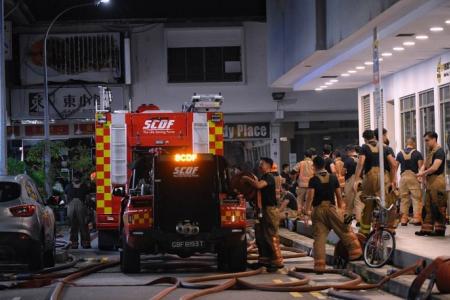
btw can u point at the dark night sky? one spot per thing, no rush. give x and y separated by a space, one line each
170 10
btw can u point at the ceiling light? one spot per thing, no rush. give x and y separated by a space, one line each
318 89
386 54
422 37
334 80
351 71
436 29
345 74
409 43
360 67
323 86
368 63
398 48
328 83
380 59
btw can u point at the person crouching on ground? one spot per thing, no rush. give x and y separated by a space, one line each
322 189
288 204
267 224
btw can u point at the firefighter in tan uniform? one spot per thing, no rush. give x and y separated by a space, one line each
352 197
369 162
305 171
340 171
267 224
322 189
411 162
433 175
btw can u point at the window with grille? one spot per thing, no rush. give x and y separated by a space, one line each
444 97
204 64
426 104
408 117
366 111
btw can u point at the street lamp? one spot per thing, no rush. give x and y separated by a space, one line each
47 158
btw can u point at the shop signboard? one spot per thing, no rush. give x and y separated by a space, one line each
88 57
236 131
66 102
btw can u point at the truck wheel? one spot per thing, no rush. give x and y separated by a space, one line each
237 257
222 259
106 240
232 256
130 260
36 258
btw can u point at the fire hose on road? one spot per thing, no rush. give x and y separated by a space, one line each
206 285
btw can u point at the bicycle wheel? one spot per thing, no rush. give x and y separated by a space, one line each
379 248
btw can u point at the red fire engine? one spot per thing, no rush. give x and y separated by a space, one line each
147 180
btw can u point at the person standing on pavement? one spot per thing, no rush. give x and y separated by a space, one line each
305 171
267 224
411 162
352 197
329 162
339 165
433 175
77 194
323 187
285 174
368 167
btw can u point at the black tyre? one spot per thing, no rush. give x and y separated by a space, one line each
106 240
130 260
36 257
232 256
50 253
379 248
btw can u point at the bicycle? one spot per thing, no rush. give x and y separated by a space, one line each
380 244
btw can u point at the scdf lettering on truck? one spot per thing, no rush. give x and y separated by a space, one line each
158 124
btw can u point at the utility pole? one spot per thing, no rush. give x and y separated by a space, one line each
379 110
3 142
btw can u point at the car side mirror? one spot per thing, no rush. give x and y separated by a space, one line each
119 191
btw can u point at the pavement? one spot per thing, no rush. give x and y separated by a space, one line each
111 284
409 249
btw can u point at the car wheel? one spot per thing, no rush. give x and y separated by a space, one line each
50 254
36 258
130 261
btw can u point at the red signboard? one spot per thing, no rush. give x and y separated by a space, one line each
11 129
59 129
84 128
34 130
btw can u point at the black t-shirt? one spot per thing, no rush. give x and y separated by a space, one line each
73 192
292 200
439 154
286 177
350 167
268 194
328 162
411 164
323 191
372 159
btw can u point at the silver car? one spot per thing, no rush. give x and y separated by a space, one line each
27 224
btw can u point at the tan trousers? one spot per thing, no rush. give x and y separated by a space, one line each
267 239
301 197
371 188
410 192
325 218
352 199
435 204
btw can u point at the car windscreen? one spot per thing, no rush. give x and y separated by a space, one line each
9 191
